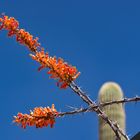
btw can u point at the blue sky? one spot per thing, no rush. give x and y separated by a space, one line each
101 38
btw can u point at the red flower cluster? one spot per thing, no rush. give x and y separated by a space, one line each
39 117
22 36
9 24
59 69
26 39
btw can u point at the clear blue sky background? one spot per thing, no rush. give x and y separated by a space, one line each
101 38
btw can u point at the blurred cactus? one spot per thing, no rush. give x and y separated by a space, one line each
111 91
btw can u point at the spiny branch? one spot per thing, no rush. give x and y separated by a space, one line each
121 131
97 109
76 111
91 107
81 93
125 100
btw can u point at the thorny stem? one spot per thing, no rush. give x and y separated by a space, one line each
82 94
100 113
76 111
125 100
90 108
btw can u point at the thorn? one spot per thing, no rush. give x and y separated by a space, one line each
71 107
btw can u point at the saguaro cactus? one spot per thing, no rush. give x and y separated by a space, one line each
111 91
